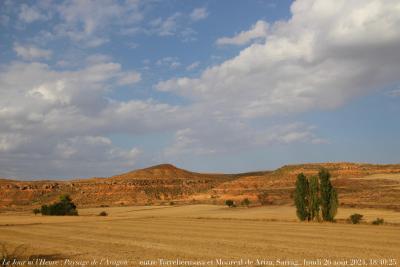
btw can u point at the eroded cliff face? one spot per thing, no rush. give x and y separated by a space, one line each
146 186
362 185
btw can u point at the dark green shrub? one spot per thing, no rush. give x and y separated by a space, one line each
230 203
103 213
245 202
378 221
64 207
355 218
36 211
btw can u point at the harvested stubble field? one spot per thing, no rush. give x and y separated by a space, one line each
201 232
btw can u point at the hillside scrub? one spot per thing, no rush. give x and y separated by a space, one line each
36 211
245 202
263 198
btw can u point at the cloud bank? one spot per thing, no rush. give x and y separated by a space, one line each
60 122
327 54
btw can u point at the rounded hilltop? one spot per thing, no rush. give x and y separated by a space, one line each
164 171
163 166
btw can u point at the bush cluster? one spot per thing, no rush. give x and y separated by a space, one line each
230 203
355 218
103 213
378 221
63 207
245 202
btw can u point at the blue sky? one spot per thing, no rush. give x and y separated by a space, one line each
96 88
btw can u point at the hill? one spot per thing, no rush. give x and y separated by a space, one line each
165 172
359 185
144 186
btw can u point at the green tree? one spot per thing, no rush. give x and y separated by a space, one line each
64 207
329 197
301 198
314 200
333 204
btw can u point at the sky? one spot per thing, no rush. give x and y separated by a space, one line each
97 88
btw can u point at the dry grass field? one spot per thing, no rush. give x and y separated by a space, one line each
141 236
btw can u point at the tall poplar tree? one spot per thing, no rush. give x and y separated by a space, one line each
329 199
333 204
314 199
301 198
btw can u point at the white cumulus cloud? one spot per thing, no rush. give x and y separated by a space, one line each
326 54
61 122
57 122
